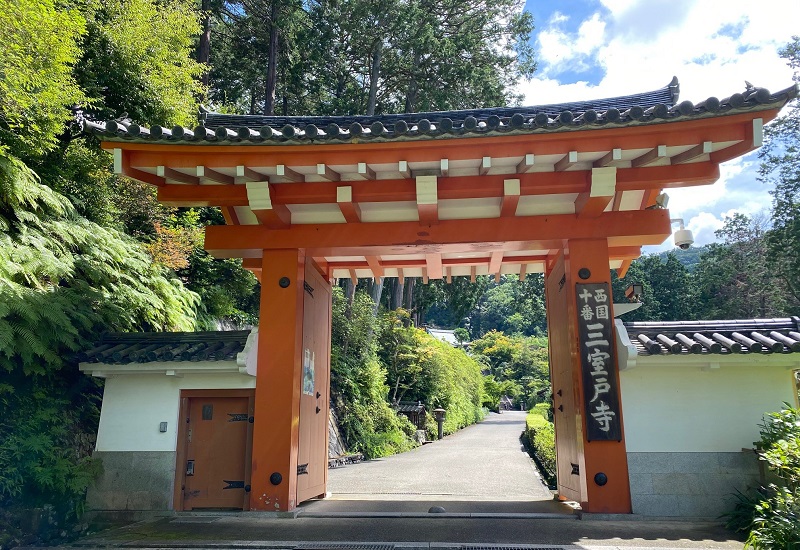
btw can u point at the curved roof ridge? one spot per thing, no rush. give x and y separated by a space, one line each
667 95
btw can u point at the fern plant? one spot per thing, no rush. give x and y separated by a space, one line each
63 281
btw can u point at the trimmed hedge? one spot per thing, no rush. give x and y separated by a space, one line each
540 438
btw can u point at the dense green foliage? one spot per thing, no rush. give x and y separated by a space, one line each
540 439
516 366
733 279
776 522
365 56
358 382
65 278
63 281
369 351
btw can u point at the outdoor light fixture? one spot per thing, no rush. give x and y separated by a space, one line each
662 200
683 237
634 292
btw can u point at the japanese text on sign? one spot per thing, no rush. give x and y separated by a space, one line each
601 401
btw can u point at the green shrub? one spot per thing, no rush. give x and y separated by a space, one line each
776 516
540 438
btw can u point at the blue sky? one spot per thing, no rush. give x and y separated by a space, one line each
602 48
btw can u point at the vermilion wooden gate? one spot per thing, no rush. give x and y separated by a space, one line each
312 456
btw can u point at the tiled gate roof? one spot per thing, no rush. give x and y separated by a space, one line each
745 336
148 347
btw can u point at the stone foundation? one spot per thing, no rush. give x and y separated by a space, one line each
689 484
134 481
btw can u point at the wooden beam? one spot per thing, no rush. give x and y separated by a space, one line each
284 172
122 166
526 163
229 213
425 275
492 186
449 275
473 274
403 168
327 172
495 261
354 277
274 216
170 174
629 228
667 177
753 139
486 165
205 174
427 199
375 265
523 268
650 157
365 171
612 156
569 160
623 269
401 276
699 150
433 265
245 174
603 186
497 277
350 210
510 200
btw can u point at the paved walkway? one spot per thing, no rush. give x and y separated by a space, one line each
485 461
482 469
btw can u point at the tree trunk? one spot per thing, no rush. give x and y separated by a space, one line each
350 293
204 44
272 62
377 290
397 295
374 73
413 88
408 300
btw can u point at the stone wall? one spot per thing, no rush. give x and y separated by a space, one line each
689 484
133 481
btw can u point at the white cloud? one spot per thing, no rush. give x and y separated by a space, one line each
638 45
707 62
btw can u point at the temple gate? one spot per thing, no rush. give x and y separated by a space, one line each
570 190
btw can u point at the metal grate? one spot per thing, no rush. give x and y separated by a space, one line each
342 546
490 547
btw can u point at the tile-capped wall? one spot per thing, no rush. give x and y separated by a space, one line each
689 484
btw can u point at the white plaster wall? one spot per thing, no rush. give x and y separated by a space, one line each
134 406
687 409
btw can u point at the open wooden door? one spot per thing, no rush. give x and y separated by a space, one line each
565 414
312 459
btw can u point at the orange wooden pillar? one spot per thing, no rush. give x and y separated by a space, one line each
593 472
278 382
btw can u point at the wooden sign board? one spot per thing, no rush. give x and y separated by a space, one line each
598 362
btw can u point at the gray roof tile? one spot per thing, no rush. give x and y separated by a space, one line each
148 347
644 108
723 337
